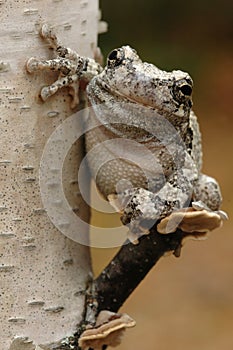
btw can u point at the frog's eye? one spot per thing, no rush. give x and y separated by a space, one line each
186 89
182 90
185 86
115 57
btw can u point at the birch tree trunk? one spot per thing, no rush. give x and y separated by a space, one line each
42 272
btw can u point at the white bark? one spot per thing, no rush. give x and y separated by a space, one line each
41 271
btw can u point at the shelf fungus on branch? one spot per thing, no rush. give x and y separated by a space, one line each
193 221
108 331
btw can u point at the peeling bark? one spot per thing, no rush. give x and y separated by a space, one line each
43 273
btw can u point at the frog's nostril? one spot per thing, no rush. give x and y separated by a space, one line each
186 90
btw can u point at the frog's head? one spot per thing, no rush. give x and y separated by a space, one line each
126 76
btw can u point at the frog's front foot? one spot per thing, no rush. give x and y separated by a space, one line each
71 67
67 76
140 210
136 231
133 204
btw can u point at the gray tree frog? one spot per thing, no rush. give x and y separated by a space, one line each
144 148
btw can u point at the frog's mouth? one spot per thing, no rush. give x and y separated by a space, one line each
125 117
170 95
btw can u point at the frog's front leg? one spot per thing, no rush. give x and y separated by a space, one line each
142 209
71 67
49 35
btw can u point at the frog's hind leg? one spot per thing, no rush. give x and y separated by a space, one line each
207 192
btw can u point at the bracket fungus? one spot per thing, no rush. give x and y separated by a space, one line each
108 330
194 222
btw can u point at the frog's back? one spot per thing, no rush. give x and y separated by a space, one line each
196 149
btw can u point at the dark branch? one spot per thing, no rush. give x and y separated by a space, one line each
130 265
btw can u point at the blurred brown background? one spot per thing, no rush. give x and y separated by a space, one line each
185 303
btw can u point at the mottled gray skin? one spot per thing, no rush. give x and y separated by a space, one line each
140 97
145 154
